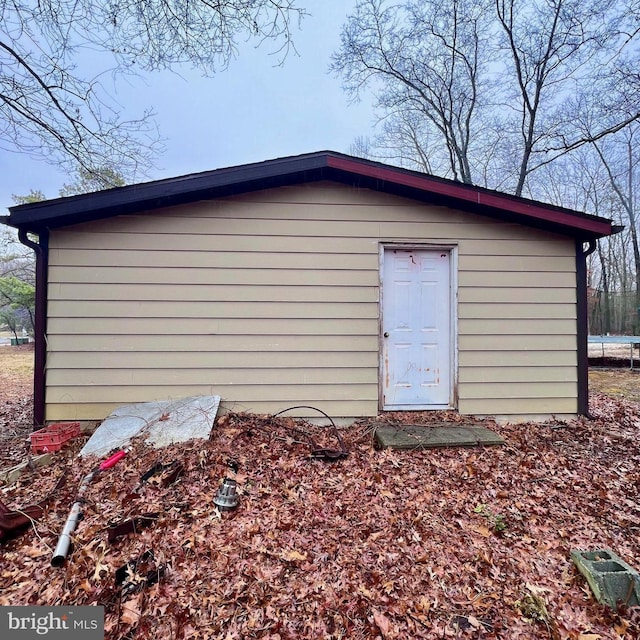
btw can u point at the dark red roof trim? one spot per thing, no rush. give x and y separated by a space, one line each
466 193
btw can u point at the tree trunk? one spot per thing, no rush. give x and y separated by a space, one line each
605 311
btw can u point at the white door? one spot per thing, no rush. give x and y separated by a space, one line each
416 328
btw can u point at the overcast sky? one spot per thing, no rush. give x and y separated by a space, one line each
253 111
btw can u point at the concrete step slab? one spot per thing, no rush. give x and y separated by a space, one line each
408 436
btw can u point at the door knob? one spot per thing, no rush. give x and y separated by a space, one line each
386 334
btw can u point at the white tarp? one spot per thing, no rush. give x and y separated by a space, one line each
161 423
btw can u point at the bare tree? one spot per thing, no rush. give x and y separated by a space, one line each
426 61
402 141
620 157
602 178
557 50
50 108
493 91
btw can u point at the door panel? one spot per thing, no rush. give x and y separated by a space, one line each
416 325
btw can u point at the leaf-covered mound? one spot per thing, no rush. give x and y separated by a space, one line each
466 543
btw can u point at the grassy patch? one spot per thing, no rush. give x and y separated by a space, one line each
617 383
16 365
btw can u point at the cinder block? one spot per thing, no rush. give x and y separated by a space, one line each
9 476
611 579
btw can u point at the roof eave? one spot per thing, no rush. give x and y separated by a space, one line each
298 169
581 226
163 193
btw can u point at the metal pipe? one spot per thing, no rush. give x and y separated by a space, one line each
64 541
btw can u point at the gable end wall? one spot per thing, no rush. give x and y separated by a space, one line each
271 300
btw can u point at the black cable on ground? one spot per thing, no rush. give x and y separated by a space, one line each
329 454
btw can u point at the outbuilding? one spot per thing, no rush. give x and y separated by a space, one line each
321 279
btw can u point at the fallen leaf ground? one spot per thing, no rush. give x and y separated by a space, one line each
16 399
450 543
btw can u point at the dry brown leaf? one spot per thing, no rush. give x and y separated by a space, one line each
85 585
326 534
485 532
383 623
293 556
423 605
100 565
474 622
366 592
36 552
130 611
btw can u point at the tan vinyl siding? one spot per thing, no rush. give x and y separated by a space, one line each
199 360
515 327
505 406
167 343
319 276
271 299
533 361
218 259
248 394
544 296
494 340
240 398
516 279
525 264
242 376
76 411
66 292
207 327
210 309
504 374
